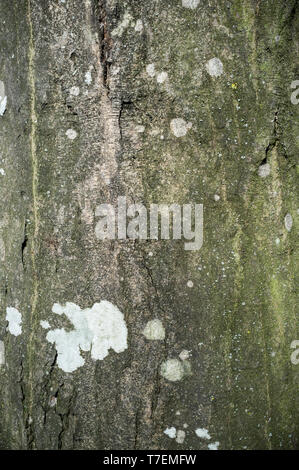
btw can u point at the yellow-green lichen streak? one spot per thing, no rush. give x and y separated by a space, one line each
34 163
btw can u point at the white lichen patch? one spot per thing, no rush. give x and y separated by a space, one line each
192 4
154 330
138 26
214 67
2 172
88 78
96 329
162 77
170 432
179 127
184 355
151 70
71 134
202 433
75 91
45 325
288 222
14 318
3 99
180 437
2 353
172 370
124 24
216 197
190 284
214 446
139 129
264 170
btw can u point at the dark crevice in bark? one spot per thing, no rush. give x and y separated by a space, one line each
24 245
105 42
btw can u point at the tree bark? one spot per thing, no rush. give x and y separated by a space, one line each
180 101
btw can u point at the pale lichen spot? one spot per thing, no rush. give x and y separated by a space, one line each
192 4
2 354
45 325
264 170
3 99
151 70
75 91
184 355
180 437
288 222
154 330
162 77
170 432
190 284
2 172
179 127
71 134
202 433
138 26
96 329
214 67
140 129
214 446
124 24
14 318
172 370
88 78
216 197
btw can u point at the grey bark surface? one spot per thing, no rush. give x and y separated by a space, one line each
239 319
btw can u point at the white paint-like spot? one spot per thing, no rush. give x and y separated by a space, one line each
264 170
3 99
190 4
45 325
2 353
202 433
190 284
125 23
214 446
179 127
71 134
97 329
172 370
139 26
184 355
277 241
88 78
216 197
288 222
214 67
75 91
154 330
150 70
180 437
162 77
170 432
14 318
2 172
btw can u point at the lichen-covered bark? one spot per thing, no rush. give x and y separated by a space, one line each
65 150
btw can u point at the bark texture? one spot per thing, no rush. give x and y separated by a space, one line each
239 319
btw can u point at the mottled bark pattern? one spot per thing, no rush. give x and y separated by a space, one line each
238 320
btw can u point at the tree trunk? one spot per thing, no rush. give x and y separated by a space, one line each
107 344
